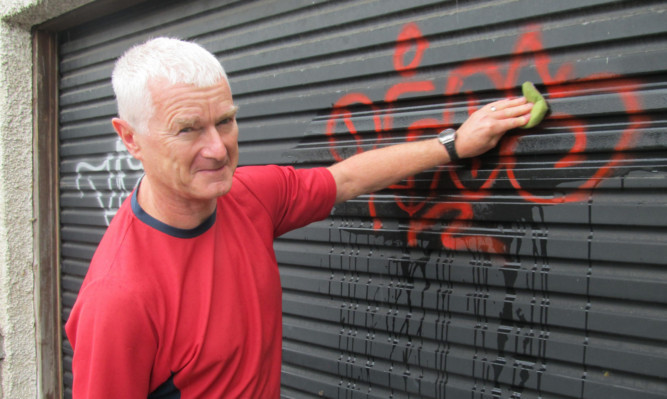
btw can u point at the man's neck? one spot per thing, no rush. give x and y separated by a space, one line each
172 210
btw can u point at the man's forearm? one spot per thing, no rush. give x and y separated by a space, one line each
376 169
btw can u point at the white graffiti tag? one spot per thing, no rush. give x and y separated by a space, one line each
110 195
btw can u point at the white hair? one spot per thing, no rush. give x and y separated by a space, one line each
175 60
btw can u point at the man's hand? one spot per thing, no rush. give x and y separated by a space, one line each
374 170
486 126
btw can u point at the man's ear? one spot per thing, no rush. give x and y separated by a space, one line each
128 135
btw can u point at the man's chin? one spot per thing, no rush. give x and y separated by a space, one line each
215 190
211 185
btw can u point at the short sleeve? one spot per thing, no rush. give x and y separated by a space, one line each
114 343
293 197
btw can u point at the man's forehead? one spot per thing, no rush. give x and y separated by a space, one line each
162 90
188 116
187 101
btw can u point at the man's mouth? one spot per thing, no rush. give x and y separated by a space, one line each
214 169
212 166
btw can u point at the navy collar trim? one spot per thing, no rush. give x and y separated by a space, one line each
165 228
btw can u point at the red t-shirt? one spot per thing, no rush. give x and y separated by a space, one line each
172 313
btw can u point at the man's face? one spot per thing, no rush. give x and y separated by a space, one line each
191 148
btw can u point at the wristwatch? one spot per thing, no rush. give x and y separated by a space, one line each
447 138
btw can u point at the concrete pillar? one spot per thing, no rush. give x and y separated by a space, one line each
18 347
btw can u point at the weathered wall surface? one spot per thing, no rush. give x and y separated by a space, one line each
18 367
536 271
17 318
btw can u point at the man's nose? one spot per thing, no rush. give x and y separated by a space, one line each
214 145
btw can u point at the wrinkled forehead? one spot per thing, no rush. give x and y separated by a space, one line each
160 87
189 102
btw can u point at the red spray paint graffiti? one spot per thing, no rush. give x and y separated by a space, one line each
527 53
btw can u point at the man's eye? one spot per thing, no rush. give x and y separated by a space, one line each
225 121
185 130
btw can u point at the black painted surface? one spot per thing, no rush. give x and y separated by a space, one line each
538 271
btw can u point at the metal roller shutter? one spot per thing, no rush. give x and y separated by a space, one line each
537 271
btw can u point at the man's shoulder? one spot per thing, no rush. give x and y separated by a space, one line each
257 179
121 247
252 172
266 176
116 232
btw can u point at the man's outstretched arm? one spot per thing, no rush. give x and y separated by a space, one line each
376 169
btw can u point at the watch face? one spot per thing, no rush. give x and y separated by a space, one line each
447 135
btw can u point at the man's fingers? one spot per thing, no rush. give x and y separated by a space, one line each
511 112
519 110
505 103
523 120
517 121
507 108
513 118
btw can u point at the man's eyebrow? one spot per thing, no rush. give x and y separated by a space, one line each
184 121
229 113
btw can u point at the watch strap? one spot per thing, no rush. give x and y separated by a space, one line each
447 138
451 150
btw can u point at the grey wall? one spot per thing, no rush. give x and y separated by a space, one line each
537 270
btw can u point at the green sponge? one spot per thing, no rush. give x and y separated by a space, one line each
540 106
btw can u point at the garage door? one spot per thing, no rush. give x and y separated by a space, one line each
536 271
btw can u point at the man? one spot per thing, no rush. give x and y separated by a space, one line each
183 298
